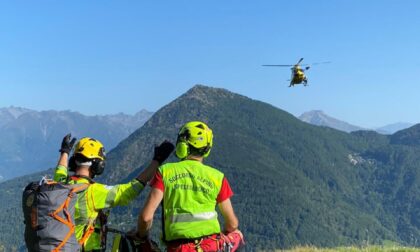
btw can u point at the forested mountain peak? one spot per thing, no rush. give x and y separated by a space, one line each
297 171
200 91
410 136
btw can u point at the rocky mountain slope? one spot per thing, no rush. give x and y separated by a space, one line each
319 118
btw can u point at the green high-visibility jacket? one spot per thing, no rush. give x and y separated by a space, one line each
96 197
190 192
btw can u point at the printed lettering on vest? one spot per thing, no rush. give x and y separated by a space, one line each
192 188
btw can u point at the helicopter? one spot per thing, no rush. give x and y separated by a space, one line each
298 73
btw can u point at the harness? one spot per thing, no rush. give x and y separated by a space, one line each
223 243
90 227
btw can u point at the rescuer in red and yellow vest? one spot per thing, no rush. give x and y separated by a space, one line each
190 192
88 161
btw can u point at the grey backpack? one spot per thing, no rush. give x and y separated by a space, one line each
48 209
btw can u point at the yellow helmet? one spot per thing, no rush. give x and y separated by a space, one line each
194 138
90 150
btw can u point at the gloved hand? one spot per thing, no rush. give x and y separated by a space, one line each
146 245
67 144
163 151
142 244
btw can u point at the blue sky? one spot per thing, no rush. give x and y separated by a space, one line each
101 57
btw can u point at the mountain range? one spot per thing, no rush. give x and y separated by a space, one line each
319 118
29 139
393 127
294 183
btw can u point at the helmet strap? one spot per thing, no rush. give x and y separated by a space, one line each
198 152
87 163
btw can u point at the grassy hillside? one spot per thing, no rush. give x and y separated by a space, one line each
354 249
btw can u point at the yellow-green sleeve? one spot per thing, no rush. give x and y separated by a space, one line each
60 174
118 195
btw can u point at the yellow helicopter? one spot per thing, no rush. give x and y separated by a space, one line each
298 73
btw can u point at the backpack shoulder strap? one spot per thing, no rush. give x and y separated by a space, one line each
77 177
76 188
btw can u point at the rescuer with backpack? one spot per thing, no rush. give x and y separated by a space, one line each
190 192
88 161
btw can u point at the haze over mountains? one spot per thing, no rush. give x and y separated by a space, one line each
319 118
29 139
394 127
294 183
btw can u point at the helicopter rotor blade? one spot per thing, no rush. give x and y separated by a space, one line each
299 61
319 63
279 65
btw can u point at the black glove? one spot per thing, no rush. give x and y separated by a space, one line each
146 245
67 144
163 151
142 244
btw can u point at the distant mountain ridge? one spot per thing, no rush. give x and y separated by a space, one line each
319 118
29 139
11 113
394 127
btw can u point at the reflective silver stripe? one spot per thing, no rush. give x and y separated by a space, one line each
190 217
